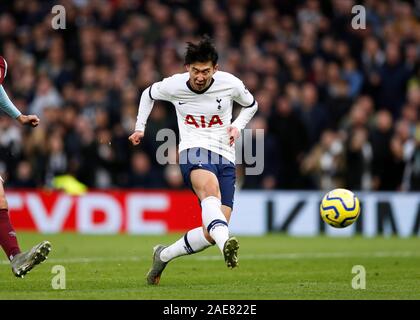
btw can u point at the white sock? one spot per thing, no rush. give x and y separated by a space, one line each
192 242
215 221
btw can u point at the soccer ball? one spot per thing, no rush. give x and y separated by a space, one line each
340 208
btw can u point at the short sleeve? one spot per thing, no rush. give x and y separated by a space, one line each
243 96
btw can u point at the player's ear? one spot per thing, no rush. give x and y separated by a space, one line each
216 67
187 67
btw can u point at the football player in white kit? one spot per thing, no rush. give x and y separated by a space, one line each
21 262
203 98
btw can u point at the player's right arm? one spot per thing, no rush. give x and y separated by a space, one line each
157 91
145 107
7 105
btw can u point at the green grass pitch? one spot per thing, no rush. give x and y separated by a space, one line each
273 267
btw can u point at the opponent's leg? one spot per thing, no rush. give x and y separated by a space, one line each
8 240
21 263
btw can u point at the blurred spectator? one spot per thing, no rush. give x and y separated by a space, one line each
252 157
400 142
338 101
55 157
324 165
381 146
358 160
312 113
353 77
141 174
411 179
291 136
46 96
173 177
393 77
24 176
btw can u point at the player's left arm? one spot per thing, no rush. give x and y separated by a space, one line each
249 108
7 105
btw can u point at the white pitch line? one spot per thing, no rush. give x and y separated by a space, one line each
87 260
291 256
274 256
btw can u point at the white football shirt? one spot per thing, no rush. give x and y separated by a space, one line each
204 117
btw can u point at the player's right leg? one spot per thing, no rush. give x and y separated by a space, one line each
21 263
231 246
206 187
215 219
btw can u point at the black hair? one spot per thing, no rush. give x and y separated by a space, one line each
202 52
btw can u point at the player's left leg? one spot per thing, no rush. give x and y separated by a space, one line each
21 263
206 187
193 241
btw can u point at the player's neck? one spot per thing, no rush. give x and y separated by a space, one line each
191 86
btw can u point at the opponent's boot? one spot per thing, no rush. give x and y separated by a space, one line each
23 262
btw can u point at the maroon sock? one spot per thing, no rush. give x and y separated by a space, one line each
8 240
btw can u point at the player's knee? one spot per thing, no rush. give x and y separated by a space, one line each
210 190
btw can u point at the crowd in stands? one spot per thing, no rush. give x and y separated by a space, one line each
340 106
